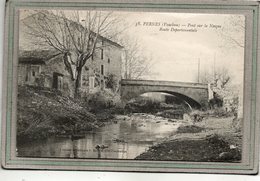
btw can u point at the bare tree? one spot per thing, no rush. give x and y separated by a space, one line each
223 77
220 77
136 63
74 34
232 33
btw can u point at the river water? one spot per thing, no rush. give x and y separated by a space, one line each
125 137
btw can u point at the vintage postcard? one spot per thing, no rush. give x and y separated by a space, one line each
135 87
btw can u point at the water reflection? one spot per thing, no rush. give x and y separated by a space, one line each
125 138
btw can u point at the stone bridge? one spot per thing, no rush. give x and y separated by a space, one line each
195 94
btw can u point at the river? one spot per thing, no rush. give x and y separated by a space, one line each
125 137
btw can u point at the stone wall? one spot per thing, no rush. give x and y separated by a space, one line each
193 93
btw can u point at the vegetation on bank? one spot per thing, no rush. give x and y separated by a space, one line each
214 139
206 136
190 129
172 111
213 148
45 112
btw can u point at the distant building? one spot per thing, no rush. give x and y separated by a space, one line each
43 66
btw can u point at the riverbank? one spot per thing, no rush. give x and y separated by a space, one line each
43 113
215 139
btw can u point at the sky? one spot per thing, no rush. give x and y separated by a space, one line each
179 56
176 54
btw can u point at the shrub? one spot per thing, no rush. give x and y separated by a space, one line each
111 82
103 100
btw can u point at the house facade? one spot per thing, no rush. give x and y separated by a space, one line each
106 63
45 67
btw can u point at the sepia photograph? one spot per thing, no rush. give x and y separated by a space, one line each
140 86
130 85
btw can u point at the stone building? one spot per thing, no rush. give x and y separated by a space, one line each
44 69
43 66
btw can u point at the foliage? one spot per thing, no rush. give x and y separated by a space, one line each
216 101
44 112
111 82
102 100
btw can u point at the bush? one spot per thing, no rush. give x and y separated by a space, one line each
111 82
216 101
103 100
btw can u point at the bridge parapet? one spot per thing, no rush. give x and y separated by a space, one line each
163 83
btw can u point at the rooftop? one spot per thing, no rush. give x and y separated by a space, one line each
36 56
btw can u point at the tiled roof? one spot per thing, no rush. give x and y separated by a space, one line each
36 56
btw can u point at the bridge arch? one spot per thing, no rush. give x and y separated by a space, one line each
193 93
193 104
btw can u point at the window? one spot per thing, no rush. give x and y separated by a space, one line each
32 71
35 70
91 82
102 50
60 82
108 60
102 54
57 82
102 69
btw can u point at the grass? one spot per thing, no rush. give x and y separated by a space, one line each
190 129
43 112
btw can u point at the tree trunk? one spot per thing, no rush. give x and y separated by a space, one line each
78 82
